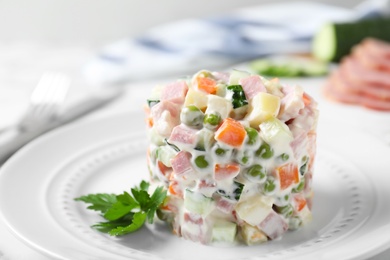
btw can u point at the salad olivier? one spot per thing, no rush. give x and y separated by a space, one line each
235 153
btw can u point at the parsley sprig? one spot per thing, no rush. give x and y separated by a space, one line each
125 213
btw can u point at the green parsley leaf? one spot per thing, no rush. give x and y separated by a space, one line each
137 222
155 201
125 212
144 185
238 96
142 197
100 202
125 203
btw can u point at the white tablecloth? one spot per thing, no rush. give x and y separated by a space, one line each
20 68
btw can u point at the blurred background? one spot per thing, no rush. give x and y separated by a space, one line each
42 35
98 22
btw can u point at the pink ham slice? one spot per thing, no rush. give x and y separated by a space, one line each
374 54
175 92
183 135
274 226
181 163
165 115
337 89
363 78
252 85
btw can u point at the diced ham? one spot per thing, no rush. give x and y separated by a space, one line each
299 144
291 103
226 205
193 218
165 115
207 187
252 85
274 226
181 163
175 92
196 229
182 134
222 76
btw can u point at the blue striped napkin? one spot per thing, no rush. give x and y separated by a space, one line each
185 46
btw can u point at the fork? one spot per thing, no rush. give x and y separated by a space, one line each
45 102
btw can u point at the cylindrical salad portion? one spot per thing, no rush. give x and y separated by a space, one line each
235 152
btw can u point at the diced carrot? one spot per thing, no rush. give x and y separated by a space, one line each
231 132
174 189
207 85
288 174
149 122
299 201
149 119
165 170
226 171
306 99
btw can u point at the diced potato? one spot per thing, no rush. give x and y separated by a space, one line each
274 131
262 107
196 98
255 209
220 105
236 75
252 235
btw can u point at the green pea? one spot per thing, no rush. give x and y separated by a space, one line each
252 135
220 151
201 161
286 211
244 160
294 223
211 121
269 185
256 171
192 116
300 186
284 157
265 151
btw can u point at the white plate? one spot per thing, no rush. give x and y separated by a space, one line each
351 214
